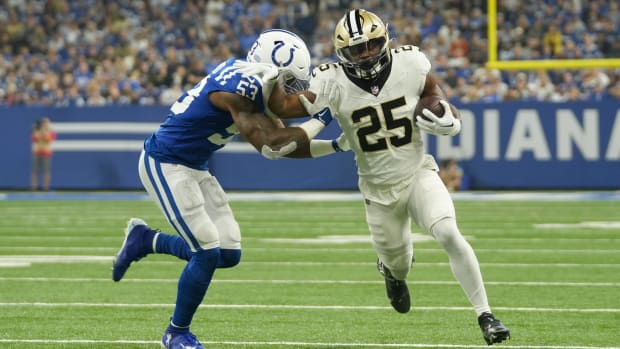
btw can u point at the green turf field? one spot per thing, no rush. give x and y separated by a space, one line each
308 280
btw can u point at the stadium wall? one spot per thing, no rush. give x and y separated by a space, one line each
516 145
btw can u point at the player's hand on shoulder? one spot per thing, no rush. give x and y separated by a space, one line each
444 125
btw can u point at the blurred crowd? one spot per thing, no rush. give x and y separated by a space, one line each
141 52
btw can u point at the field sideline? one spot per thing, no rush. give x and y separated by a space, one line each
551 262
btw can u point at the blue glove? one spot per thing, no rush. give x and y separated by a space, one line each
324 116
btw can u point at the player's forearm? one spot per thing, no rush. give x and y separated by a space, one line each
274 137
286 106
302 151
273 140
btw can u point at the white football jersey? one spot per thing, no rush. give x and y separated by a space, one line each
379 123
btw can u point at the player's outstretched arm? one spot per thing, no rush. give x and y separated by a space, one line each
324 94
287 106
257 128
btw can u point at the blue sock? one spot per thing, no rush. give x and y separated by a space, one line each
229 258
173 245
174 329
176 246
193 285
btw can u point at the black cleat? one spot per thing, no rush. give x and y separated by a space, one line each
397 290
493 330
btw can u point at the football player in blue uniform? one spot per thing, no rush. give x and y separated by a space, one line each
174 169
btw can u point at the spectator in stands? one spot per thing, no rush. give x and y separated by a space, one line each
519 89
574 94
595 82
553 40
571 50
541 86
474 94
170 94
42 137
95 98
451 174
589 47
615 90
114 95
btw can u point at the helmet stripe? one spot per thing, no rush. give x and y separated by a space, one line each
353 23
358 21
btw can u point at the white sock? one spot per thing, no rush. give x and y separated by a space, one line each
463 262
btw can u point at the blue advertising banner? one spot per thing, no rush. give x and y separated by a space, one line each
513 145
537 145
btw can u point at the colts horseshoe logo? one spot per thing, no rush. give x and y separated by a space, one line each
279 45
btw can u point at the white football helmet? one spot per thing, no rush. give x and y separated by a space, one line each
288 52
361 42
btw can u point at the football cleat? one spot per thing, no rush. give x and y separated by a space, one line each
397 290
188 340
493 330
137 244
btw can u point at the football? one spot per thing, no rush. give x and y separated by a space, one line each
431 103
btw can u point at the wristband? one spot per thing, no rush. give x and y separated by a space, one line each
336 146
324 116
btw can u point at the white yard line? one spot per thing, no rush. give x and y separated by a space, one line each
305 344
294 307
319 249
27 260
353 195
326 282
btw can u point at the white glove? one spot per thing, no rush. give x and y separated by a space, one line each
267 73
326 95
271 154
446 125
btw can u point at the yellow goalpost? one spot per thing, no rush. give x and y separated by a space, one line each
534 64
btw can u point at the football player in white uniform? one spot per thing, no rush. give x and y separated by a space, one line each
378 89
174 169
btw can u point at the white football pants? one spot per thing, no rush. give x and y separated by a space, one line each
193 202
429 204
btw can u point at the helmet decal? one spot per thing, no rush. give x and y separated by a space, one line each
278 45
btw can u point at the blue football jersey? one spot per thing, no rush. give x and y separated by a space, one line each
195 128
